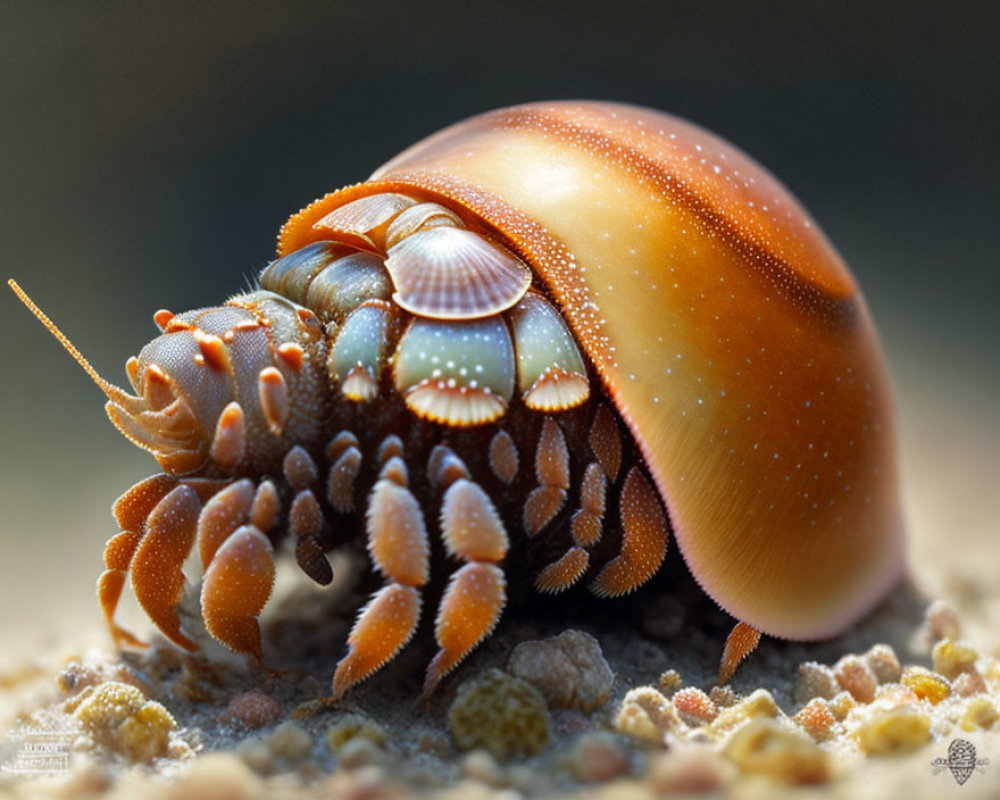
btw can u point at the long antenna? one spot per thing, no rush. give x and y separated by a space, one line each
113 393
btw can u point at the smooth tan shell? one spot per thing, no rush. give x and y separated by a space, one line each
730 334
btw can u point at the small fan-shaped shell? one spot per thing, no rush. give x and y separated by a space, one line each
422 216
363 222
451 273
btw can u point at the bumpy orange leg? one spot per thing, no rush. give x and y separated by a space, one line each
236 586
742 641
157 579
644 539
397 543
469 611
383 628
117 556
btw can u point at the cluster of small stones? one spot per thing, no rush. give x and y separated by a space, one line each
545 720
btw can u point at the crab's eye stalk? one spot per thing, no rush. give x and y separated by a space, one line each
158 418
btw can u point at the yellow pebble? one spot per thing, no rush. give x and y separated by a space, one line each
757 704
898 730
926 685
764 747
980 714
951 658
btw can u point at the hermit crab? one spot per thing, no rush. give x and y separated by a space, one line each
587 327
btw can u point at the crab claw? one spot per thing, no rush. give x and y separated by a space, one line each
157 580
235 588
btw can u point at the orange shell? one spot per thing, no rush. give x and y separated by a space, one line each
730 334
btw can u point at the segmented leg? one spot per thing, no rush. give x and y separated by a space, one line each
585 527
644 539
130 511
398 546
236 586
157 580
476 593
741 642
552 471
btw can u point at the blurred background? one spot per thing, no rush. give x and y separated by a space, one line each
149 153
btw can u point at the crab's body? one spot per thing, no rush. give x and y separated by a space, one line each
548 324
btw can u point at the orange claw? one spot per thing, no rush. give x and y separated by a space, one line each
383 628
222 515
235 588
469 611
157 579
118 555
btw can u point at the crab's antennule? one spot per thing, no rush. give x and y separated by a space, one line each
113 393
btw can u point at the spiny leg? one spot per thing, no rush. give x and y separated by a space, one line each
552 472
741 642
398 546
157 579
476 594
585 527
130 512
644 539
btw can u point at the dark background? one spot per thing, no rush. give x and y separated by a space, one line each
150 151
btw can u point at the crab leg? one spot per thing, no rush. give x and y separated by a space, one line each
157 579
236 586
130 511
644 539
741 642
476 593
398 546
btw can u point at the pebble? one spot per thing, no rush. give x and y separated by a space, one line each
290 741
926 685
596 757
120 717
694 706
884 663
759 703
354 726
217 776
569 670
950 658
764 747
896 730
645 714
360 752
855 676
481 766
816 719
689 769
251 710
501 714
941 621
815 680
980 714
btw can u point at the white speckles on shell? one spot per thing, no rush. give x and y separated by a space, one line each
450 273
459 373
550 371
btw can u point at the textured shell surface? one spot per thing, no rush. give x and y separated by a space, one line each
730 334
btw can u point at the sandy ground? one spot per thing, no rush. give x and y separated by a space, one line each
162 723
